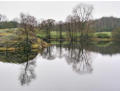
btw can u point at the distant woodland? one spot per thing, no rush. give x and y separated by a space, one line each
104 24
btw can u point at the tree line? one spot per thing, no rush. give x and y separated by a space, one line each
4 23
106 24
77 25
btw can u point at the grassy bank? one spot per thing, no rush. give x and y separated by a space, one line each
9 34
9 38
103 36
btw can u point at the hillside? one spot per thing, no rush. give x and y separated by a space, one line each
11 39
106 24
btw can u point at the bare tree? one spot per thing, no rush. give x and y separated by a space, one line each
68 27
2 18
84 13
28 24
60 28
47 25
71 22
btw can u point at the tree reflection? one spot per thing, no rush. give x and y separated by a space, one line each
79 58
27 73
60 49
27 61
25 56
74 55
49 53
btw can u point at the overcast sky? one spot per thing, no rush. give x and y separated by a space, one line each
57 10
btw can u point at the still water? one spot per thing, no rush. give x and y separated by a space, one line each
62 67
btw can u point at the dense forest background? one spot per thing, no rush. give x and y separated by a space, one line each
106 24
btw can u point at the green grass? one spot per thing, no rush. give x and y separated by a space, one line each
54 35
102 35
10 37
9 34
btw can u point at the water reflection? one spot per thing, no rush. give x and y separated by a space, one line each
80 60
25 57
27 72
77 55
49 53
